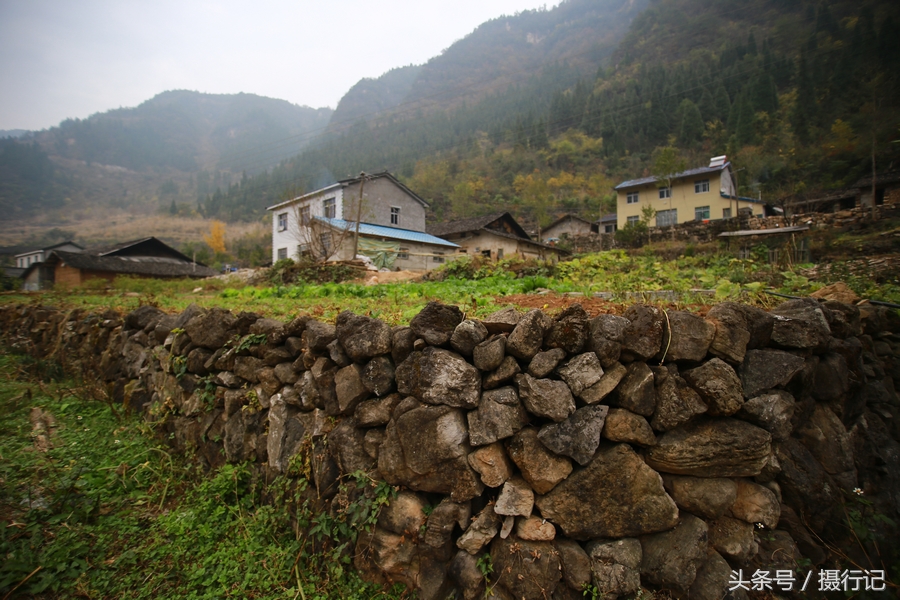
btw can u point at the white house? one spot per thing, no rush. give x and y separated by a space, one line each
391 231
26 259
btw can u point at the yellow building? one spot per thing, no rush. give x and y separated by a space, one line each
700 194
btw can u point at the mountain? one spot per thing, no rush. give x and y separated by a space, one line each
544 112
189 131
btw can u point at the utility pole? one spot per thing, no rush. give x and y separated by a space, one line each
362 181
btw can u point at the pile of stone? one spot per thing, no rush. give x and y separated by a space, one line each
658 448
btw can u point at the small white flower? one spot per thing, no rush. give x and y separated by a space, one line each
858 491
78 417
760 526
118 442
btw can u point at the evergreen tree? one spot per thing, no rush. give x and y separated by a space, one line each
805 104
723 103
745 128
691 123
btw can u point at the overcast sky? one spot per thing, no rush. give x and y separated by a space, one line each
70 59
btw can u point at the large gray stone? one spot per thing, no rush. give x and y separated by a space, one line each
690 338
766 369
671 558
713 579
541 468
576 564
211 329
643 335
505 372
436 322
611 378
515 499
606 335
756 504
616 566
825 437
445 517
636 391
772 411
362 337
319 335
615 495
578 436
544 363
800 324
546 397
733 538
502 321
425 448
525 569
569 330
349 388
467 335
488 355
718 385
622 425
528 336
581 372
499 416
712 447
806 486
378 375
480 532
439 376
676 402
707 497
732 335
831 378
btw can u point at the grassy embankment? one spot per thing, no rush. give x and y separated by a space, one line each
93 506
480 288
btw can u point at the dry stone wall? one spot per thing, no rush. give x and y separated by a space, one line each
658 448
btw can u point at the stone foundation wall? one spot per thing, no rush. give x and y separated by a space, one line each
658 449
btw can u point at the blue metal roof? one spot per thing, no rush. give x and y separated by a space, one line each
389 232
683 174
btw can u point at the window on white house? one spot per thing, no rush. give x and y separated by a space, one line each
282 253
303 250
282 222
664 218
328 208
665 193
633 220
325 238
304 215
438 257
701 187
403 253
701 213
726 213
395 215
609 228
486 253
499 253
632 198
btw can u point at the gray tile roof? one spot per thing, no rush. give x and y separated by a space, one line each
682 175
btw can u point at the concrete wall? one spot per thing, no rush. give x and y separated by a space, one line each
379 195
684 199
657 449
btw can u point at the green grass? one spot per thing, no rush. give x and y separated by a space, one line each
477 287
107 512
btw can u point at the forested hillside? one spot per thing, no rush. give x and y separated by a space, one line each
172 148
799 94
